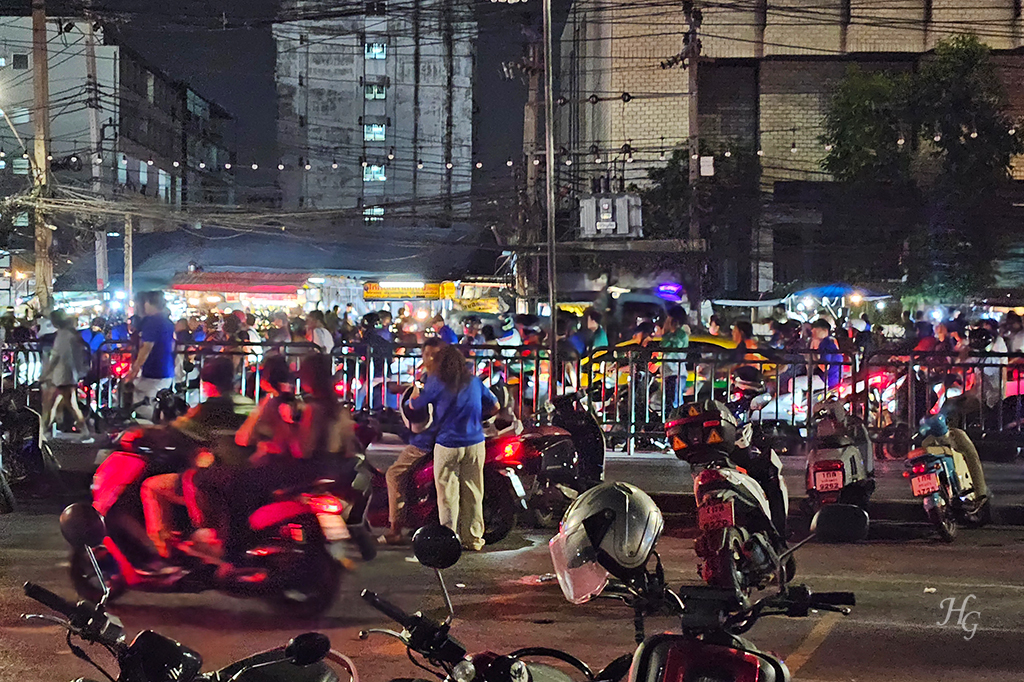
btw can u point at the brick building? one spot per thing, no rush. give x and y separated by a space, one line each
763 83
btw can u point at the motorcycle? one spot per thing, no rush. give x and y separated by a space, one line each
438 548
712 620
939 476
741 535
840 464
533 472
294 549
152 657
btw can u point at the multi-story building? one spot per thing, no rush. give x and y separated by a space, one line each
764 80
157 136
375 110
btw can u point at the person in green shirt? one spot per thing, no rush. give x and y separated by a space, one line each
598 336
675 335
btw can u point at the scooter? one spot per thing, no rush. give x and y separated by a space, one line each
533 472
939 476
741 535
840 464
294 550
446 657
151 657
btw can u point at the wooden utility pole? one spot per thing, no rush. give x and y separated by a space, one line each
129 274
528 269
41 126
96 155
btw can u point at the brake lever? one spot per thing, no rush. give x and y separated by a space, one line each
365 634
51 619
844 610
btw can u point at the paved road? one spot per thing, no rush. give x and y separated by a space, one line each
900 577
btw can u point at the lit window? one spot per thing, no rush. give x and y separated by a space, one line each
374 174
373 214
373 132
375 92
376 50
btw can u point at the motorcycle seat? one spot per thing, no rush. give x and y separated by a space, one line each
319 485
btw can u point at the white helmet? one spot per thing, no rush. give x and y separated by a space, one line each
416 421
610 529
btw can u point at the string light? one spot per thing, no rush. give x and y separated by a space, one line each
901 141
728 153
661 154
828 147
391 154
202 164
1012 131
255 166
150 162
124 161
536 161
334 165
2 153
596 152
74 158
175 164
938 137
509 162
280 166
308 166
974 134
227 166
479 164
419 164
448 165
760 152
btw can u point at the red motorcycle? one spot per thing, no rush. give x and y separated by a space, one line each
532 473
293 553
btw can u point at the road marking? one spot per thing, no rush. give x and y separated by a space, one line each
815 639
916 581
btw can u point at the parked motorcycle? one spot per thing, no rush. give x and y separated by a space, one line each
294 550
151 657
939 476
438 548
533 472
840 464
742 530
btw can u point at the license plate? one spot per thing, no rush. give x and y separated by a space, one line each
716 515
925 485
827 481
334 527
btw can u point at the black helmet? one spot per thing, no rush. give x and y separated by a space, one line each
748 380
696 430
980 338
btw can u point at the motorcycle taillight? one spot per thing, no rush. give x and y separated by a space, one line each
828 465
681 660
324 504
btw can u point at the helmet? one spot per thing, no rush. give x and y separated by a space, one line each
702 428
935 426
416 421
748 379
610 529
980 338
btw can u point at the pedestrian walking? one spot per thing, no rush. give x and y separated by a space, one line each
68 362
153 369
459 400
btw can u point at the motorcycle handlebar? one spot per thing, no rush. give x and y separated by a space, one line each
49 599
388 609
834 598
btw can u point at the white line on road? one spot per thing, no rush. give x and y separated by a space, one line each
915 581
815 639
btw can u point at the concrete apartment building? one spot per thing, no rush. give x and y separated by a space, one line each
763 83
159 138
375 110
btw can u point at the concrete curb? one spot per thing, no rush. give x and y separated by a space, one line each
680 510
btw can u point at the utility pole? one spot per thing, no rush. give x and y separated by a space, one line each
129 274
96 156
528 273
549 182
41 127
691 51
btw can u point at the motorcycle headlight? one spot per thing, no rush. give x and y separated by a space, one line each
464 671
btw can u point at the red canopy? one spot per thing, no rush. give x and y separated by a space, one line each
240 282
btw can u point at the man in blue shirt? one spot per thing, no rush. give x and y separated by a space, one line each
443 331
460 401
153 369
828 352
420 445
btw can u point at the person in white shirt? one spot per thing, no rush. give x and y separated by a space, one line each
316 331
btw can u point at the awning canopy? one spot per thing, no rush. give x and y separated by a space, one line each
240 282
838 290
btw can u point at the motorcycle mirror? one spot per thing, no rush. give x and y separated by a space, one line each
760 402
308 648
436 547
836 523
82 526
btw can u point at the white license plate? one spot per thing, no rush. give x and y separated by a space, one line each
334 527
716 515
925 485
827 481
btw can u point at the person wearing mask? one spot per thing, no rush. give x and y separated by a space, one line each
65 367
316 333
443 331
460 402
206 430
598 337
94 335
420 444
828 352
153 369
675 336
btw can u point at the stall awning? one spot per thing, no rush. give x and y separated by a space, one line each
240 282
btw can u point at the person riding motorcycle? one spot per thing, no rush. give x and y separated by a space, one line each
207 432
937 431
609 530
735 445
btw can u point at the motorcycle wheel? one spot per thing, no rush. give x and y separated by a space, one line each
499 509
314 588
944 522
725 570
6 496
85 581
